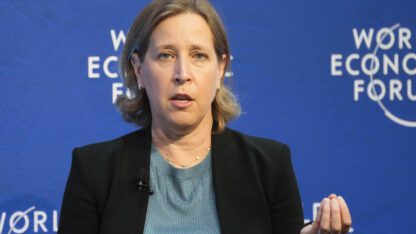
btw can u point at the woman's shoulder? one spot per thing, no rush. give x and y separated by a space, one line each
261 153
110 148
268 159
255 142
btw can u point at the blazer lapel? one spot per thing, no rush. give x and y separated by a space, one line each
221 154
137 155
240 205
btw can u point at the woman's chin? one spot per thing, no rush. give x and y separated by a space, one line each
186 122
183 124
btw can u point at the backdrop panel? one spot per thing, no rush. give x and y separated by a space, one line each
333 79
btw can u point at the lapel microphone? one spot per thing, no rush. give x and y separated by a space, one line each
143 181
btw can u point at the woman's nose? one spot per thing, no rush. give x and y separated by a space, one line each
182 72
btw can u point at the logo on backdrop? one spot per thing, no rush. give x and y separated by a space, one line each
31 219
100 68
383 67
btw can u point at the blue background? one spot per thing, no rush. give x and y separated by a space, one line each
282 78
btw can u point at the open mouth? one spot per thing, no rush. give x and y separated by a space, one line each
181 101
181 98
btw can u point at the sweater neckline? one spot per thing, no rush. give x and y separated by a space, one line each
158 162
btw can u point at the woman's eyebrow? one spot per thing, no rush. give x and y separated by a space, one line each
167 46
191 47
198 47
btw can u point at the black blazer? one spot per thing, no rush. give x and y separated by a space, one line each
254 183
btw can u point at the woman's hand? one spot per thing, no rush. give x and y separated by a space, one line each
333 217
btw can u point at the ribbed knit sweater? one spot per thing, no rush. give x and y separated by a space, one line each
183 200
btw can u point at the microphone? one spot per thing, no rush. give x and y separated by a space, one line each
143 181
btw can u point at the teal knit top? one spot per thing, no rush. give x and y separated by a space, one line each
183 200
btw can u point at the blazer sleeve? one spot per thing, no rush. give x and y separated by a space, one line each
286 207
79 208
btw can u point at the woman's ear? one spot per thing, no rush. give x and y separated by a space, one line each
222 64
221 69
137 65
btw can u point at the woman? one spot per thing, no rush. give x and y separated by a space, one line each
204 177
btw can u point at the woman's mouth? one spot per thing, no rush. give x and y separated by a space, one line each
181 100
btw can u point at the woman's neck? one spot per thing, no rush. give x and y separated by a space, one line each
183 146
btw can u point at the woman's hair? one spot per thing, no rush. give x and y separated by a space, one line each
135 106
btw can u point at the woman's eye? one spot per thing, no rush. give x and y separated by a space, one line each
165 56
200 56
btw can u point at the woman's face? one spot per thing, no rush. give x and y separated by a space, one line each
180 72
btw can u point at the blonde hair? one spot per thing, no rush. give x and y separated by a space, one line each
136 108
